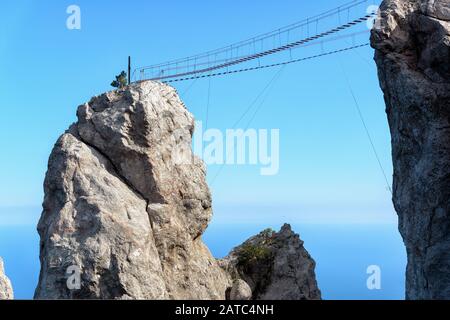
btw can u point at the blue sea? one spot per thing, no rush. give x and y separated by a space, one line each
342 254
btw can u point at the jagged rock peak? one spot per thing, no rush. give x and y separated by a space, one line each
120 210
412 51
274 265
126 204
6 291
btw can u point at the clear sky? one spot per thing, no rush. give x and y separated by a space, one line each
329 182
328 172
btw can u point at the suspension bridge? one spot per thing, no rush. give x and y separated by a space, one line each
282 46
337 30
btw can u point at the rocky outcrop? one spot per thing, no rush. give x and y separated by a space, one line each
272 266
121 210
6 291
412 42
240 290
126 204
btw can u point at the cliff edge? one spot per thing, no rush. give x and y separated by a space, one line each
412 51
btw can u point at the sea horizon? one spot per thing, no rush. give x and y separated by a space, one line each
342 252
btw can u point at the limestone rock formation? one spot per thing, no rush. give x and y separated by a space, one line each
412 42
6 291
240 290
274 265
121 210
126 204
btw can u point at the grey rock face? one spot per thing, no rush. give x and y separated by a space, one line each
125 206
274 265
412 43
121 210
6 291
240 290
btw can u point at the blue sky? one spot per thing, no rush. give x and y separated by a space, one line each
328 172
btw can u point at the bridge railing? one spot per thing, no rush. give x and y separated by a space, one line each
288 38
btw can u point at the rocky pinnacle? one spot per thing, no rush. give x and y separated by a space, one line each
6 291
412 51
126 204
118 209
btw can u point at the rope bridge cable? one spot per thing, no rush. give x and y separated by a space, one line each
239 46
257 98
159 71
188 88
207 103
280 72
366 129
263 96
269 65
322 42
289 46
